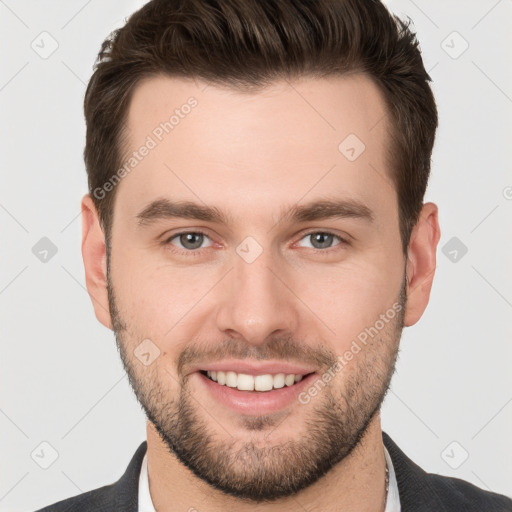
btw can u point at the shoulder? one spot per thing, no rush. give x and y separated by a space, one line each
423 492
120 495
97 499
462 495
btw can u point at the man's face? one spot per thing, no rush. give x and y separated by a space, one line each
258 284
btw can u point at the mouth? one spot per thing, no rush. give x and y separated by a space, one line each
254 383
254 394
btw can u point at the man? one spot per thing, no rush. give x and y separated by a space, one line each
256 238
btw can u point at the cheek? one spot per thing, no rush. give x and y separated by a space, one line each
351 298
156 297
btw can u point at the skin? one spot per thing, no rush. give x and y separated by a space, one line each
254 156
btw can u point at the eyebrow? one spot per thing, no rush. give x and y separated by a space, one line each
163 209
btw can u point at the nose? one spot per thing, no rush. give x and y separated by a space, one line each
256 301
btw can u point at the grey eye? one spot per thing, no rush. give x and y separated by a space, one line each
190 241
321 240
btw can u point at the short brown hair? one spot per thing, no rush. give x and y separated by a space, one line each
248 44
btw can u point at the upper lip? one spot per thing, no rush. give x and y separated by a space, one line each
255 368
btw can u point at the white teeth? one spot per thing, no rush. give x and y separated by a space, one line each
245 382
279 380
289 380
231 379
263 382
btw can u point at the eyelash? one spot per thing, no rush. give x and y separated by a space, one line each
197 252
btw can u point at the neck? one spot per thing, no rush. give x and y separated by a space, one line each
357 483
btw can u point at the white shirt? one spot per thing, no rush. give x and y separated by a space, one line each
393 500
146 504
145 501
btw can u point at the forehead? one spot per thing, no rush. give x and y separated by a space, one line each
291 139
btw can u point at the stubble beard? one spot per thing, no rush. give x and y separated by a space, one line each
333 423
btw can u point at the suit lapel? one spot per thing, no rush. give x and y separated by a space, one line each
127 487
416 492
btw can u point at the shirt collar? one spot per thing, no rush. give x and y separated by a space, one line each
145 502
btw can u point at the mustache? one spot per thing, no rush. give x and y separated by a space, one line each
276 349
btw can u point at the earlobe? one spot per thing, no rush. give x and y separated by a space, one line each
94 255
421 262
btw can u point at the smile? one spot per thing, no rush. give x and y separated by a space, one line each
245 382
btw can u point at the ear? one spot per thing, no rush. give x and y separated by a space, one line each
94 254
421 263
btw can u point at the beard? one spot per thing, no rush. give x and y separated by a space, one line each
334 423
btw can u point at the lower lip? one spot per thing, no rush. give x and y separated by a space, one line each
256 402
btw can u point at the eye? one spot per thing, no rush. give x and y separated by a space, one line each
192 241
189 240
322 240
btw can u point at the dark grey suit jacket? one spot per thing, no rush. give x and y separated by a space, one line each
419 491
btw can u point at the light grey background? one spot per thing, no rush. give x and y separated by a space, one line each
61 378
